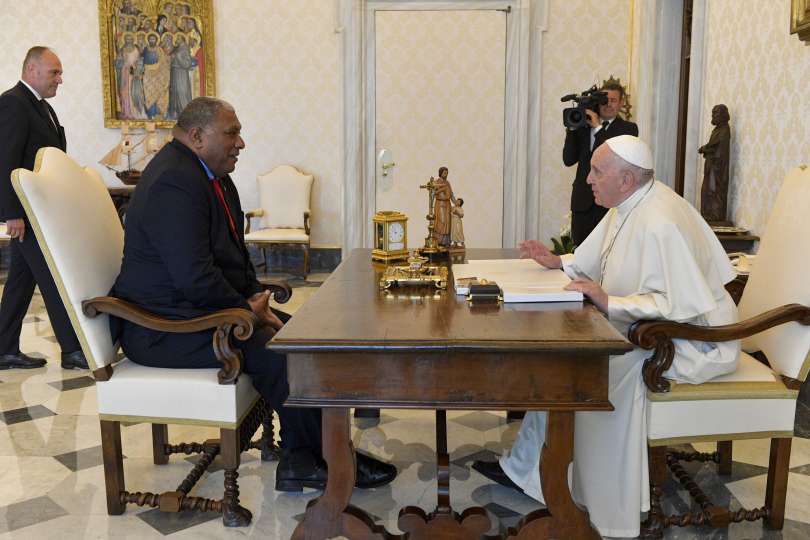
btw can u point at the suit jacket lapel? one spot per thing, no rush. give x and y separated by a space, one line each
52 120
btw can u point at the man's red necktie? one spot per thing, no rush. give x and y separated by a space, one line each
221 197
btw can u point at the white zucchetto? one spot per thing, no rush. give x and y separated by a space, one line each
631 149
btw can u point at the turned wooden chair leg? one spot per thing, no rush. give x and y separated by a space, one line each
306 260
113 465
268 446
653 526
724 452
160 438
776 489
233 515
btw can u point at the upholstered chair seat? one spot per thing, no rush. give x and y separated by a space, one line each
750 403
278 236
284 196
78 228
758 400
174 396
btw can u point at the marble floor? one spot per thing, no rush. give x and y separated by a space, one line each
52 483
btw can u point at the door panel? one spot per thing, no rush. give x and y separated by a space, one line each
440 85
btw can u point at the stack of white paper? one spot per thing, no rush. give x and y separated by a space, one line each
521 280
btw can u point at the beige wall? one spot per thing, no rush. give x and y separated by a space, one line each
585 43
761 72
278 63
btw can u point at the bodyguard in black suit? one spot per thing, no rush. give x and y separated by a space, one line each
185 256
28 123
579 146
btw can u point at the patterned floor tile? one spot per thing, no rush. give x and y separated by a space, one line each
480 455
751 494
481 421
30 512
25 414
74 383
167 523
82 459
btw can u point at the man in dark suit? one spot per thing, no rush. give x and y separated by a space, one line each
28 123
185 256
579 146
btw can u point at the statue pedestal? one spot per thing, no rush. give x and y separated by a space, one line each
733 238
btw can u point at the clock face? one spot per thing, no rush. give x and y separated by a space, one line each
396 233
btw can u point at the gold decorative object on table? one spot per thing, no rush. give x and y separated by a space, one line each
390 236
443 209
416 272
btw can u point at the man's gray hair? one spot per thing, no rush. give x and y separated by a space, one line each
33 55
641 175
200 112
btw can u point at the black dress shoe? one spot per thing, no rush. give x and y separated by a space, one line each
493 471
74 360
371 472
20 361
299 469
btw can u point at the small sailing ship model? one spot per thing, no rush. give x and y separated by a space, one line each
138 150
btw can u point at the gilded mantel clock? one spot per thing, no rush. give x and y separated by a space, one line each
390 236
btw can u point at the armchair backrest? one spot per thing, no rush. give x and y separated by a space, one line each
78 229
779 276
284 195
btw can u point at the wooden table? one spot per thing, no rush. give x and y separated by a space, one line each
352 345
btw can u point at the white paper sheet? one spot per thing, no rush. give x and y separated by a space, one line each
521 280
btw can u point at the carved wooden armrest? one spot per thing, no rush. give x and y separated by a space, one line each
258 212
306 221
658 335
280 289
238 321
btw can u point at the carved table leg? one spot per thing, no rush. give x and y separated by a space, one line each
562 518
443 522
331 515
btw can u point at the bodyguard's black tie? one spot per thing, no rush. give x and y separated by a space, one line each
44 108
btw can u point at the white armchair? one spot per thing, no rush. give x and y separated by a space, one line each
758 400
76 224
284 196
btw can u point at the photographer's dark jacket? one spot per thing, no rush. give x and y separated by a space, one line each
577 150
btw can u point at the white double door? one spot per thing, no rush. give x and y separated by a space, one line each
440 79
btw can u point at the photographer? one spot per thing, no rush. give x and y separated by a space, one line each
579 146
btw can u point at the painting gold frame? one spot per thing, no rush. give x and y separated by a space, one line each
200 10
800 19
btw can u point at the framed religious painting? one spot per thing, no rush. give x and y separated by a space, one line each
156 56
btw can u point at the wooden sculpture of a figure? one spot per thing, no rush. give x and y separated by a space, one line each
714 192
444 199
457 227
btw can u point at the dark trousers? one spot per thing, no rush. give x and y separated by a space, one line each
300 428
582 223
27 269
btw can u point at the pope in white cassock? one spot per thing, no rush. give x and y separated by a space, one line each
651 257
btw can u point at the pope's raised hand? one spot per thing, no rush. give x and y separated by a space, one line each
532 249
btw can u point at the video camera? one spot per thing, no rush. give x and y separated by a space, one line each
575 117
